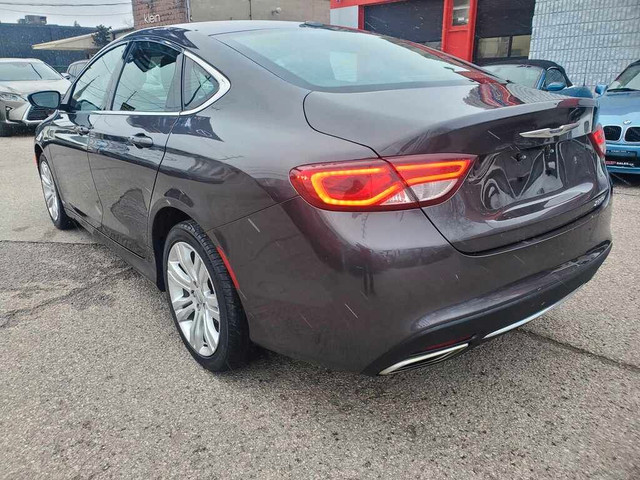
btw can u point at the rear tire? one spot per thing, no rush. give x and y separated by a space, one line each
51 196
210 318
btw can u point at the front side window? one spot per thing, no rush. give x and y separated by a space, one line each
90 91
554 76
198 85
150 79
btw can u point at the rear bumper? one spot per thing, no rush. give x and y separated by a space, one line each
362 292
479 320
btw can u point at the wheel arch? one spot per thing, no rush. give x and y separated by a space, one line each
163 221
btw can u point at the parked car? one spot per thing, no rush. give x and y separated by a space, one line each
285 190
19 78
538 74
620 114
74 69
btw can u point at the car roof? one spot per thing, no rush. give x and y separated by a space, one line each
218 27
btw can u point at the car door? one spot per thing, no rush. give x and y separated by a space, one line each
127 142
71 128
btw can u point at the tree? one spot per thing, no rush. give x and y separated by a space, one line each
102 36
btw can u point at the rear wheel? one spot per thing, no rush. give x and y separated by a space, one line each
203 300
51 197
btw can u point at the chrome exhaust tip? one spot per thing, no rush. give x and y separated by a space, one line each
424 360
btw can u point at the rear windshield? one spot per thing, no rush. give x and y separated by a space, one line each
526 75
25 71
331 59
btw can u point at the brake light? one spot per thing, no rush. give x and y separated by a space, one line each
599 141
381 184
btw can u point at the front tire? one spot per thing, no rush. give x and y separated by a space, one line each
203 300
52 198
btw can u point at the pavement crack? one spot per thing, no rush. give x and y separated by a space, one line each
567 346
6 318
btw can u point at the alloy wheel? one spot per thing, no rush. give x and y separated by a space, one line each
193 298
49 189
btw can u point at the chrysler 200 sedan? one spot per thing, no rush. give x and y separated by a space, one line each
336 196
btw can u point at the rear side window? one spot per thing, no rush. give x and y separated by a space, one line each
150 79
198 85
90 91
331 59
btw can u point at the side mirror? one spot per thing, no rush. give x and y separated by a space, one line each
600 89
556 87
49 99
66 75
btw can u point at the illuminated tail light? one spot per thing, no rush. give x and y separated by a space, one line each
599 141
381 184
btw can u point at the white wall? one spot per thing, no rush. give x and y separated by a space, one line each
594 40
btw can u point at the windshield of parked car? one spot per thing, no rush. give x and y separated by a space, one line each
627 80
333 59
26 71
526 75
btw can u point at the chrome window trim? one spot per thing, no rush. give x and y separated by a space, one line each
224 85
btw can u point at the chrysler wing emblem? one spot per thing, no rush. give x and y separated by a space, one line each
550 132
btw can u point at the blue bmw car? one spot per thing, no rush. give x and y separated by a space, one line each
620 117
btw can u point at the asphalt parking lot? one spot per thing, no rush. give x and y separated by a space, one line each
95 383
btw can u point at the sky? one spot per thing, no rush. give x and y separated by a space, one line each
115 16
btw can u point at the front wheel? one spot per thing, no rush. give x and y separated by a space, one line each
203 300
51 197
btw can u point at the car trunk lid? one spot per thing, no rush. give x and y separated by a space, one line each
535 171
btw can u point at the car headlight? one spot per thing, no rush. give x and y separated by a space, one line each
11 97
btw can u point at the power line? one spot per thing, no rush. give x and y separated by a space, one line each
39 4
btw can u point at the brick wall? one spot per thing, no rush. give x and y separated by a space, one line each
594 40
153 13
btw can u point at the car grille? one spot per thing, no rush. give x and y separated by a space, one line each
36 113
633 134
612 132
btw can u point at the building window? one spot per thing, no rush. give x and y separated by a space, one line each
460 12
503 47
520 46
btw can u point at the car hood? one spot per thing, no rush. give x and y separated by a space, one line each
27 87
617 107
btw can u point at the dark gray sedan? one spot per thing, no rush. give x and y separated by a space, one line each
340 197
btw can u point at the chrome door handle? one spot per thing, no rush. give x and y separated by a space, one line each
141 141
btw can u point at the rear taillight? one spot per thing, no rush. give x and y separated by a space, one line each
599 141
381 184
